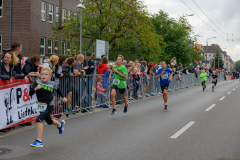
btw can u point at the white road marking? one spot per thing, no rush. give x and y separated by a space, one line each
228 92
222 98
209 108
234 88
181 131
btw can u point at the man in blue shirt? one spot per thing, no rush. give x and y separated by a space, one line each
165 75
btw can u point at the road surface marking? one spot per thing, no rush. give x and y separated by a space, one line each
222 98
181 131
233 88
228 92
210 107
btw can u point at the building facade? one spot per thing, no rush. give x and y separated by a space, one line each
31 23
210 52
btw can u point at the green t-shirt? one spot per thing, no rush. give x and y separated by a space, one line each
203 77
119 81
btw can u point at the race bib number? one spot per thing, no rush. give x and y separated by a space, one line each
214 80
40 107
164 76
116 81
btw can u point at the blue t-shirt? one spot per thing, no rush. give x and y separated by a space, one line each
165 76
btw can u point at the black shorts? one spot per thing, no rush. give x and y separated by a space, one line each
122 91
203 82
165 86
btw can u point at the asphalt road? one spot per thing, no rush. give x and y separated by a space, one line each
197 126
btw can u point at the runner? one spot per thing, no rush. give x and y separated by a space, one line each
119 82
44 90
203 77
214 80
165 75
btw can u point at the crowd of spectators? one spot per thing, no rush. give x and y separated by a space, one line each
139 72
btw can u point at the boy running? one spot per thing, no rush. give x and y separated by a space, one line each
214 80
44 89
203 77
119 82
165 75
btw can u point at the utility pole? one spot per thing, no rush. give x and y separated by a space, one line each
218 56
60 27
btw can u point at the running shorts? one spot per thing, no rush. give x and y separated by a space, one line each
165 86
122 91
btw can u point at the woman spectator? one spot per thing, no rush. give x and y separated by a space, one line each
59 74
7 71
52 62
30 68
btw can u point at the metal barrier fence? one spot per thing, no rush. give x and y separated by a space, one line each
91 91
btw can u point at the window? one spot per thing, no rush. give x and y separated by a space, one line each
0 43
64 14
1 8
68 48
63 48
42 46
43 11
69 14
56 47
49 46
57 13
50 13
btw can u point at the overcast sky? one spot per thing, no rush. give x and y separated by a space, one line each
224 13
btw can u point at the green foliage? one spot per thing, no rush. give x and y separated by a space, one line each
177 36
125 24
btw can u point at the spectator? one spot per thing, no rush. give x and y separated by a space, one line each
102 68
30 68
155 68
67 72
52 62
74 56
129 67
78 69
59 74
173 61
136 80
142 67
136 62
17 50
6 68
89 69
125 63
100 95
190 70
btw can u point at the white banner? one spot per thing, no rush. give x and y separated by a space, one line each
16 105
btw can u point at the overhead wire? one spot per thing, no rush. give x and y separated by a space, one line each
225 38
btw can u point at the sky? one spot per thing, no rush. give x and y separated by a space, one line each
225 15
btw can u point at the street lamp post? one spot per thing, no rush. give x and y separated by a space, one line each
81 6
207 49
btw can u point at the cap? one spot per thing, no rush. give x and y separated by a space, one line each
88 53
154 63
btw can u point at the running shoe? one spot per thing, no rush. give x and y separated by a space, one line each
61 129
165 107
125 109
203 88
37 143
70 111
114 111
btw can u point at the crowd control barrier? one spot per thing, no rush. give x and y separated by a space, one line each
84 94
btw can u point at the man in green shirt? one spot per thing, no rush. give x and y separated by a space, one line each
119 82
203 77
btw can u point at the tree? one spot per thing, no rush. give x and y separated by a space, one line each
177 36
217 57
124 24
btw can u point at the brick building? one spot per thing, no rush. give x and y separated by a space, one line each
31 23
